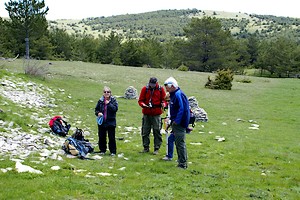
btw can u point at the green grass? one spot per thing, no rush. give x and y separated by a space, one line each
250 164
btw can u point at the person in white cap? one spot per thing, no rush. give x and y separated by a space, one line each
179 116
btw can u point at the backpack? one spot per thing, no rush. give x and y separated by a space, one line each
76 145
78 135
159 89
59 126
53 119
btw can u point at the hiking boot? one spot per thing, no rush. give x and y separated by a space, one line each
155 152
189 130
166 158
145 150
182 166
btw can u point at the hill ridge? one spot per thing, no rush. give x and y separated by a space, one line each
168 24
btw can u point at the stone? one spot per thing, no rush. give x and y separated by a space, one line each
131 93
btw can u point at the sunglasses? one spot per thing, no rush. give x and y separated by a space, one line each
106 91
169 85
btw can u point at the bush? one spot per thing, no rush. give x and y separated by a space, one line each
244 80
33 68
222 81
183 68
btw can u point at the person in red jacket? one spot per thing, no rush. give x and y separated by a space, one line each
152 100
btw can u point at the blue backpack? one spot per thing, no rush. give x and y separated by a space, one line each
77 147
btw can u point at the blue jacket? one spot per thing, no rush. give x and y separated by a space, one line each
112 108
179 108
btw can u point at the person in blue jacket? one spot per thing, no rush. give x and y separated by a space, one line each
179 116
106 110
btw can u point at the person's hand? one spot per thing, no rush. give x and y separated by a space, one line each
106 101
145 106
167 120
100 114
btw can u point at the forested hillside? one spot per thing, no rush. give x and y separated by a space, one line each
169 24
192 39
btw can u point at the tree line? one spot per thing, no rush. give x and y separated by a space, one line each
205 47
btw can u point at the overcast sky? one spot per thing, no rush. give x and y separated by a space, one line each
79 9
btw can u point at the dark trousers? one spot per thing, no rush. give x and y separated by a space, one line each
154 123
111 131
179 133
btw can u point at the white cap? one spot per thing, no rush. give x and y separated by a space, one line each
171 81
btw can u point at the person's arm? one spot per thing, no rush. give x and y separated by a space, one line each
98 113
180 108
113 105
164 103
142 98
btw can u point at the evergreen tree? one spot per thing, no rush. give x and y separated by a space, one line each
62 44
172 54
152 52
28 21
209 47
243 55
295 68
8 44
41 48
109 49
253 48
131 53
277 56
84 48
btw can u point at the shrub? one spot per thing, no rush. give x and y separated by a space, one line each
183 68
244 80
222 80
33 68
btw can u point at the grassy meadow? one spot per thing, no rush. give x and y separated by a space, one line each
249 164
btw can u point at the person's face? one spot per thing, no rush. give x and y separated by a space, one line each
169 88
152 85
106 93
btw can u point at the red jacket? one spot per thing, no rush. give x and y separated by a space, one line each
157 97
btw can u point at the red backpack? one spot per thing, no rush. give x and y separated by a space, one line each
53 119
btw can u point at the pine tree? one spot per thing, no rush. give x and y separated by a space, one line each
28 21
209 47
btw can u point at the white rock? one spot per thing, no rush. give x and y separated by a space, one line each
121 155
196 143
53 156
97 157
89 176
220 139
25 168
104 174
55 168
3 170
128 129
254 128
